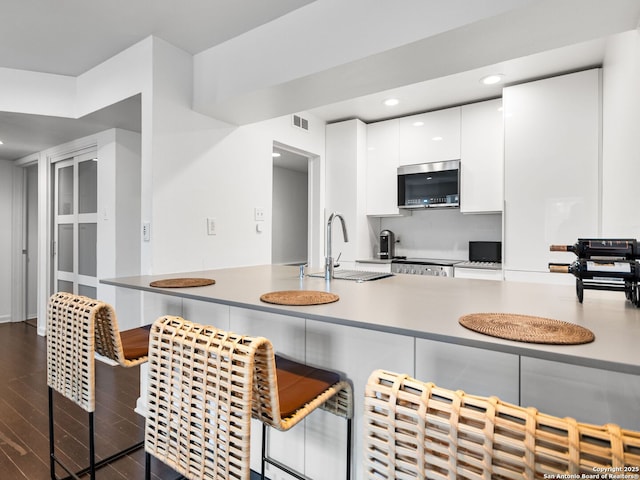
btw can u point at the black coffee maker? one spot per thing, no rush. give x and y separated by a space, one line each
387 245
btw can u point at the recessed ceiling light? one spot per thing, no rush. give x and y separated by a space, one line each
436 139
391 102
418 124
275 154
1 142
492 79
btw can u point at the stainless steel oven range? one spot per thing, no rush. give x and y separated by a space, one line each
424 266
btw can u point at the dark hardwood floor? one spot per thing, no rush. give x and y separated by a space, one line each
24 435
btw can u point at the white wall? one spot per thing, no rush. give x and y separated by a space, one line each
6 203
621 137
192 166
441 233
37 93
223 174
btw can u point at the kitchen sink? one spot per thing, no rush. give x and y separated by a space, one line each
356 275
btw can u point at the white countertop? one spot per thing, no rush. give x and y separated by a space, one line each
429 307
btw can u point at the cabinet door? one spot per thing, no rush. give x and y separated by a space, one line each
345 173
477 273
481 157
382 168
430 137
552 148
475 370
287 334
589 395
356 352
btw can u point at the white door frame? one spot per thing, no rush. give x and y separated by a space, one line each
45 161
315 244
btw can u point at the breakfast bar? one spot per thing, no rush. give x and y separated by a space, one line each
410 324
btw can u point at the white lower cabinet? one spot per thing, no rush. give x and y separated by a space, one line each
475 370
355 352
287 334
478 273
587 394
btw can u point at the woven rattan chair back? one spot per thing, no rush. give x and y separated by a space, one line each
71 346
414 429
199 398
204 387
77 327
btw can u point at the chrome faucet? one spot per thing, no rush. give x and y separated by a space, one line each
328 261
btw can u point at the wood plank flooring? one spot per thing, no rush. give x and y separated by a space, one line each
24 434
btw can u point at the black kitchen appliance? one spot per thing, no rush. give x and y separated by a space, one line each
485 252
429 185
387 245
423 266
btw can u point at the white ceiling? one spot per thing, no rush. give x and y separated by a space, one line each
290 160
73 36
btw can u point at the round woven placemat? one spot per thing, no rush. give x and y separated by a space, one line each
526 328
182 282
299 297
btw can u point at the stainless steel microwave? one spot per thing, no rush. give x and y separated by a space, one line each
429 185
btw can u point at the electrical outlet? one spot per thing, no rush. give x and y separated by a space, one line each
258 214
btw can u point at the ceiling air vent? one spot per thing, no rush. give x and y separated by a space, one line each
300 122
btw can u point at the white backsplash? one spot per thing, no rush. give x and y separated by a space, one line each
441 233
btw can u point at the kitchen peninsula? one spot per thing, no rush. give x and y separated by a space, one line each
409 324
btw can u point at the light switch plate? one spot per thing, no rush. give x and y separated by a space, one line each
211 226
146 231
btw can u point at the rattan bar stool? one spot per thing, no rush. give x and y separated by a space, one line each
205 385
77 327
417 430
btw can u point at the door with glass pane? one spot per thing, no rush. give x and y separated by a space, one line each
75 225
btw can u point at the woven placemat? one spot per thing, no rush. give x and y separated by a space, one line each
182 282
526 328
299 297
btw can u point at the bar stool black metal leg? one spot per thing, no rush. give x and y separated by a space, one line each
264 450
293 473
52 462
93 465
349 444
147 466
92 449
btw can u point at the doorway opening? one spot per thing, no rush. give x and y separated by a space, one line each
293 200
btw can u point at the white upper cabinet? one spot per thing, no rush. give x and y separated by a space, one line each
382 168
552 156
430 137
481 159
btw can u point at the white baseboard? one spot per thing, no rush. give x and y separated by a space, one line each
5 318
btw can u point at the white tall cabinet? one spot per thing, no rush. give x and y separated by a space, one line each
481 157
346 158
552 160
